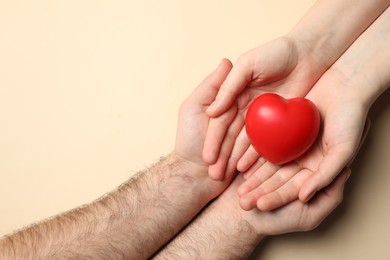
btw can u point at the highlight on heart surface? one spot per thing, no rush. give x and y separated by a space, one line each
281 130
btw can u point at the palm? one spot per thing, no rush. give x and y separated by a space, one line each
192 126
193 120
193 123
269 186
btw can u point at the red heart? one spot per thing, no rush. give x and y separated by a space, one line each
281 130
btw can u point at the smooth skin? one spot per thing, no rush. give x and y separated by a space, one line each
290 66
344 95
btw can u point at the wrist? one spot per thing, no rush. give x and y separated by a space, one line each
218 234
361 83
197 178
227 210
367 90
188 167
327 35
313 48
228 205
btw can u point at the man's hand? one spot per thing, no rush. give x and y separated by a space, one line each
144 213
193 120
225 231
193 124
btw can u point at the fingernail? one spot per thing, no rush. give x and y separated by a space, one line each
348 175
211 107
310 196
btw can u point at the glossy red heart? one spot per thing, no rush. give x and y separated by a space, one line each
281 129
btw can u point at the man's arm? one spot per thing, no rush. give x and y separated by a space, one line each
214 234
133 221
225 231
139 217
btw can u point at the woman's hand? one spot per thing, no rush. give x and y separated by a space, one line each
280 66
270 186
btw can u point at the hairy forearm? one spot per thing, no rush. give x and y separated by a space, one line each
217 233
131 222
331 26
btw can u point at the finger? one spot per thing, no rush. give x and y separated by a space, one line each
280 178
326 200
336 188
212 83
247 160
247 202
330 166
236 81
241 144
219 170
317 182
285 193
216 132
261 175
259 162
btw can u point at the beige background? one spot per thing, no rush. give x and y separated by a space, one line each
89 92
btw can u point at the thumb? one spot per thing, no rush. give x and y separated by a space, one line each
327 200
239 77
267 63
207 90
331 165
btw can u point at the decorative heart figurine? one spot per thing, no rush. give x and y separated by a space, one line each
281 129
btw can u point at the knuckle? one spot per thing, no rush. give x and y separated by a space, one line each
226 91
243 58
224 121
183 108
